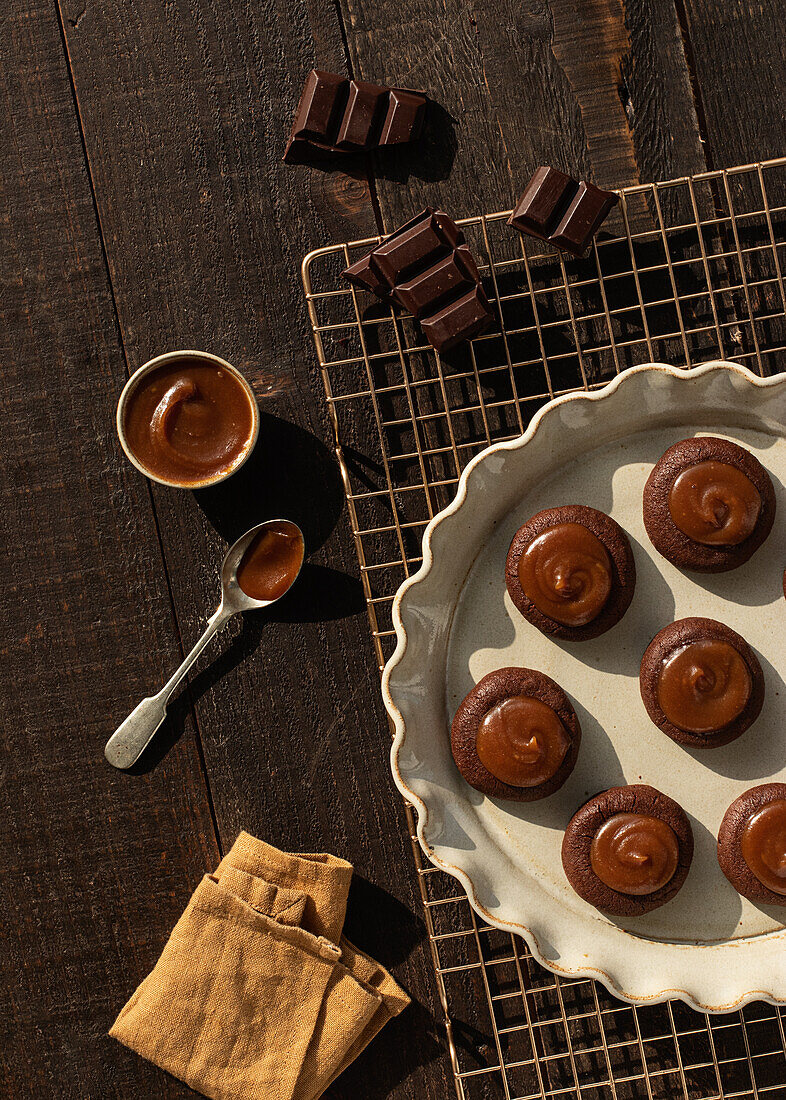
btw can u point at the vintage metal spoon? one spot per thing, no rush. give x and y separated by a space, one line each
129 740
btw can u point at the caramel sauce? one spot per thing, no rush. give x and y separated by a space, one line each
635 854
272 561
188 421
763 845
714 503
703 686
522 741
566 572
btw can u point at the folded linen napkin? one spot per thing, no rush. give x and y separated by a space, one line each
256 995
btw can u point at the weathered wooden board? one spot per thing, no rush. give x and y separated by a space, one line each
95 866
184 126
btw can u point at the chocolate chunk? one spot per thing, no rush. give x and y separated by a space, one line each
546 197
363 272
405 253
587 211
455 274
458 321
404 119
321 104
364 103
427 267
336 115
363 275
560 210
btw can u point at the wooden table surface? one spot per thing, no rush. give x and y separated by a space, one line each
145 207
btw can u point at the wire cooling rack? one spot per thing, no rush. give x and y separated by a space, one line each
683 271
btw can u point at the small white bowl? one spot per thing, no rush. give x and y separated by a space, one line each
159 361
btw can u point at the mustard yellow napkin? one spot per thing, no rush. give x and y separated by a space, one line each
256 994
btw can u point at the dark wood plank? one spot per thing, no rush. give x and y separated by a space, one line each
599 88
95 865
736 51
185 115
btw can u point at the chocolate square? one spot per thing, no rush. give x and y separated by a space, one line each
363 115
404 119
458 321
584 216
562 211
450 277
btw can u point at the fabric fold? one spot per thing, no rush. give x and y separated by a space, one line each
256 994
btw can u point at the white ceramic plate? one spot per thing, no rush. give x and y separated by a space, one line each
455 623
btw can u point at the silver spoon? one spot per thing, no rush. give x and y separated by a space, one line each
130 739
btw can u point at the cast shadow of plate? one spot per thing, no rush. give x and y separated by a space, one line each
725 903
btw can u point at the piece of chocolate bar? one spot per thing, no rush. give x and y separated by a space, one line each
561 210
449 277
458 321
427 240
426 266
337 115
363 274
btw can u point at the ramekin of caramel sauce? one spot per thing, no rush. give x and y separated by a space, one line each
187 419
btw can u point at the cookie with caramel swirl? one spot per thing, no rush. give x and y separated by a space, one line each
570 572
708 505
701 683
752 844
516 735
628 850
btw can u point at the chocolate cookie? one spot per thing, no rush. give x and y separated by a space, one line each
570 572
516 735
701 683
752 844
628 850
708 505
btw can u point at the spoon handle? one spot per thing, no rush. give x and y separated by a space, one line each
132 737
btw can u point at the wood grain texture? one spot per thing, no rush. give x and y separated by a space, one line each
185 122
95 865
599 89
737 54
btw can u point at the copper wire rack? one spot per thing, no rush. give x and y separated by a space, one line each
684 271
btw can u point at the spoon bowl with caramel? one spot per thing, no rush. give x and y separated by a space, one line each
257 571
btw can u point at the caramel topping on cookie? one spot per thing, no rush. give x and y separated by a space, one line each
703 686
714 503
634 854
763 845
566 572
522 741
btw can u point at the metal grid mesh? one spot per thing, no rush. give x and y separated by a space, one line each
684 271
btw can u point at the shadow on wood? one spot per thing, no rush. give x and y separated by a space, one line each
290 475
